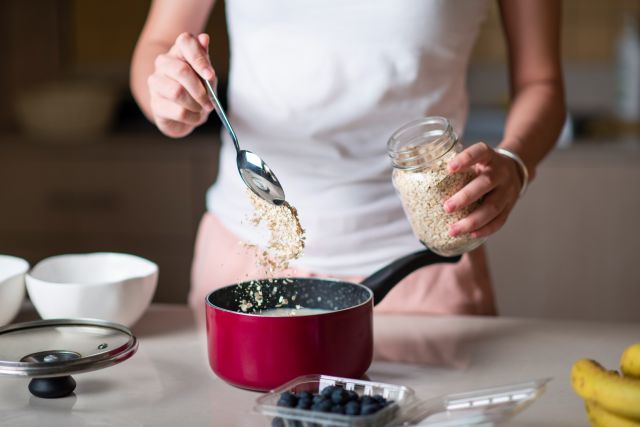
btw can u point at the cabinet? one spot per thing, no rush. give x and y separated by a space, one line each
570 247
141 194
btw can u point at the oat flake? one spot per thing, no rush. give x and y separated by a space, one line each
286 235
423 194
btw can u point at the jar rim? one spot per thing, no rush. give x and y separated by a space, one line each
427 140
394 138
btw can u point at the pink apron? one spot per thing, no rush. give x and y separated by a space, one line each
220 259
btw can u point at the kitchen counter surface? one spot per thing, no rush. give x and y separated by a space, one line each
168 382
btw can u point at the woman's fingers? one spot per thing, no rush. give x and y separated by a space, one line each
495 184
168 88
492 226
472 192
173 128
191 50
203 39
179 100
477 153
492 207
167 109
182 72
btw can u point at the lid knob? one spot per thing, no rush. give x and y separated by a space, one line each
52 388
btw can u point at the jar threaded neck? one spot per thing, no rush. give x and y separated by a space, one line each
421 142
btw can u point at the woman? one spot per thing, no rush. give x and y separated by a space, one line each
316 88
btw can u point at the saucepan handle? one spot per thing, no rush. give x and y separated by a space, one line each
383 280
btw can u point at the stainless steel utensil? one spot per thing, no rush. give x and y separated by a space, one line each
255 173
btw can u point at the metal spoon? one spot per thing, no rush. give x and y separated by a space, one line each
254 171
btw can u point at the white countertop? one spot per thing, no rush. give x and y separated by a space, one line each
169 383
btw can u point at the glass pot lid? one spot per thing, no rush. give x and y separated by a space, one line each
59 347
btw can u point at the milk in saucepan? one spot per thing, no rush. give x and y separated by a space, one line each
286 312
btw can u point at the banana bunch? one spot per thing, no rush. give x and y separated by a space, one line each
612 398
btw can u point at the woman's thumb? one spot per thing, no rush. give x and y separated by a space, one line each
203 39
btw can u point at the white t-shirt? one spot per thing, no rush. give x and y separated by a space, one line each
316 88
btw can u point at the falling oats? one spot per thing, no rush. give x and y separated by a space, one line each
286 235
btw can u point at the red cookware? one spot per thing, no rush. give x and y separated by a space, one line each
250 350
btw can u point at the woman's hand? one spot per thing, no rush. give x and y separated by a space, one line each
179 101
497 184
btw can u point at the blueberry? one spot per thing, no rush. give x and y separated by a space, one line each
322 406
352 408
380 400
304 395
319 398
337 409
369 409
287 399
328 390
277 422
304 404
367 400
352 395
339 396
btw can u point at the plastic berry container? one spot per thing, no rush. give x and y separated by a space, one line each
400 396
484 407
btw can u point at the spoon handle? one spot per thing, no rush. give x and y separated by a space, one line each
221 113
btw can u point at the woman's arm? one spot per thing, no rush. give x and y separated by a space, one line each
163 80
535 119
537 112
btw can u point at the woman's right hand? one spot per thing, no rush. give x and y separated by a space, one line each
179 100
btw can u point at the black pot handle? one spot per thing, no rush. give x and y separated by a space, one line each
383 280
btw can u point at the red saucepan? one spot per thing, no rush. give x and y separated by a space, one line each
258 352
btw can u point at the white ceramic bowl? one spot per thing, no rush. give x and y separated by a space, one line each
108 286
12 271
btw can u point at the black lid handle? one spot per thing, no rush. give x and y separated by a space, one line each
383 280
52 388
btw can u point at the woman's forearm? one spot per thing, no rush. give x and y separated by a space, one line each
166 22
537 113
532 29
535 119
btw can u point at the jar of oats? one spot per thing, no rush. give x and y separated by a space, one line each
420 152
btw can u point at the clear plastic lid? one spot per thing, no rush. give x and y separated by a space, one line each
486 407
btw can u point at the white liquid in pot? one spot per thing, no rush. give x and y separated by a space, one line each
286 312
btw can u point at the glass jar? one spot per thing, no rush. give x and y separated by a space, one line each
420 152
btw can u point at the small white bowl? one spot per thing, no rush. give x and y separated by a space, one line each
12 271
108 286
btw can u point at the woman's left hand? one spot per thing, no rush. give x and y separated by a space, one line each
497 183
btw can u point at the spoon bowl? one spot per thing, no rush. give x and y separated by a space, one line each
259 177
255 173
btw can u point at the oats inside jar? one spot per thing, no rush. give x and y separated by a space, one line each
420 152
423 194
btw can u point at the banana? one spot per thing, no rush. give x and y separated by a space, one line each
593 383
600 417
630 361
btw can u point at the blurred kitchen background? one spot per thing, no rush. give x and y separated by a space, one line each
82 170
